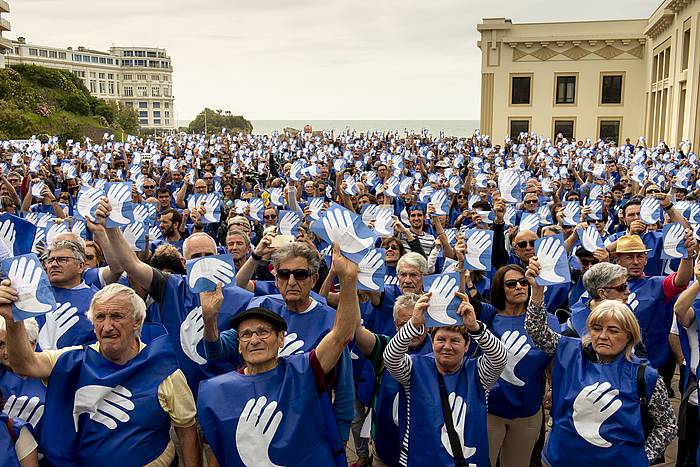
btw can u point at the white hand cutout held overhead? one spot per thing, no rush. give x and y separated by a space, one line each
592 407
517 347
140 213
106 405
590 238
548 255
256 427
7 239
25 276
477 243
213 269
371 262
529 222
288 222
132 233
211 204
459 418
674 237
118 195
191 334
340 229
443 290
292 345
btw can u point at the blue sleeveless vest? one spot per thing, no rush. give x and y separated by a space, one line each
384 315
385 413
556 296
7 446
425 446
298 440
655 317
82 332
27 392
362 371
509 400
576 291
142 432
579 317
585 442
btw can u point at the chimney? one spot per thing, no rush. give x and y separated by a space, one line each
21 40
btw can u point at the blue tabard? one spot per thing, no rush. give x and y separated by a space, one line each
384 314
620 435
385 413
299 439
85 441
424 445
579 317
576 291
556 297
27 392
82 332
511 399
655 317
179 304
362 372
7 445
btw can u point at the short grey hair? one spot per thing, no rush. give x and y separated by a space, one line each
30 326
112 291
404 301
601 274
70 236
76 249
413 259
297 250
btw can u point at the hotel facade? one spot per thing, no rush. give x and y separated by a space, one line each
600 79
137 77
4 27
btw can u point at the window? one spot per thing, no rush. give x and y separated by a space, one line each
153 64
128 103
143 105
165 64
34 52
79 74
128 53
139 53
150 54
167 121
155 77
127 78
92 74
565 128
141 77
103 60
139 62
167 113
166 78
43 53
127 63
611 92
101 75
143 113
62 55
156 113
53 54
156 121
103 87
93 86
128 91
110 75
110 61
609 130
143 121
520 90
166 91
519 126
94 59
566 90
155 91
167 105
142 91
110 87
156 105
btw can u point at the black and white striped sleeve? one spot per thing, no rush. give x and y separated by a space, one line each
396 358
493 360
536 327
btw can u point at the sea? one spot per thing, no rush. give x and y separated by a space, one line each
434 127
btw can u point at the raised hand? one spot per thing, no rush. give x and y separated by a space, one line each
78 228
140 213
529 222
674 239
119 195
649 211
133 233
438 201
459 417
442 292
212 269
257 208
368 266
548 254
211 204
25 275
593 406
28 409
293 345
477 244
384 222
340 229
509 185
256 427
154 233
106 405
7 239
191 334
517 347
571 213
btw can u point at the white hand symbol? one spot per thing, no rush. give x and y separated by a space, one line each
383 222
118 195
315 207
29 409
87 201
288 222
78 228
392 184
255 430
404 184
517 347
649 210
140 213
459 417
509 217
477 243
57 324
437 201
25 275
32 217
508 180
371 262
154 233
673 240
7 239
593 405
529 222
54 230
38 237
211 204
340 229
590 239
443 289
132 233
292 346
548 255
191 334
213 269
277 196
571 211
106 405
632 301
256 207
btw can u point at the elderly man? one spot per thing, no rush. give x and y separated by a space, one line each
296 268
290 390
180 311
238 246
113 402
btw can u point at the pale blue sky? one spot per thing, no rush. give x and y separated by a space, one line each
307 59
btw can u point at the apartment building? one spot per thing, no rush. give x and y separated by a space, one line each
138 77
602 79
4 27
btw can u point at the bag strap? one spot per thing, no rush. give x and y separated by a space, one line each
642 385
455 443
683 407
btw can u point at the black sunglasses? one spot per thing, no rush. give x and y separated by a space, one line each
271 216
619 288
299 274
513 282
525 243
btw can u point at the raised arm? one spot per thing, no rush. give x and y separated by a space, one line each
181 192
683 308
331 346
264 249
536 317
396 356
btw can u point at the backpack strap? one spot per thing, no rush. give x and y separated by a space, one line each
642 384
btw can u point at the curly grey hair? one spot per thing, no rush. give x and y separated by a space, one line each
297 250
413 259
404 301
112 291
601 274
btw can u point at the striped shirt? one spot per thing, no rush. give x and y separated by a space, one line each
489 367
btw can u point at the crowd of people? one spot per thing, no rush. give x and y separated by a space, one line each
247 300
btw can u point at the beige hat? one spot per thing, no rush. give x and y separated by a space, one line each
630 244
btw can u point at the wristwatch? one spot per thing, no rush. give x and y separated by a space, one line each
256 257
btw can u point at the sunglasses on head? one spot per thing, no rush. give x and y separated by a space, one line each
525 243
513 282
619 288
299 274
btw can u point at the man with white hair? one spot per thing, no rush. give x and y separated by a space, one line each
113 400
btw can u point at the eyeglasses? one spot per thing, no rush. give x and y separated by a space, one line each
525 243
593 221
271 216
208 178
461 197
61 260
262 333
619 288
90 257
653 192
299 274
393 247
149 187
531 201
522 282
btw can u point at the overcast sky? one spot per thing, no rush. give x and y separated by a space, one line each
307 59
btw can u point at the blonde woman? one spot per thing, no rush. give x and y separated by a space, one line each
596 405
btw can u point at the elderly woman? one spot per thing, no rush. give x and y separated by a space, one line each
596 384
442 404
602 281
515 401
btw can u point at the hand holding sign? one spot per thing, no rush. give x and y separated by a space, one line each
204 273
442 310
554 267
27 277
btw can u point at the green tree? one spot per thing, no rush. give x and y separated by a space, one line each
216 120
